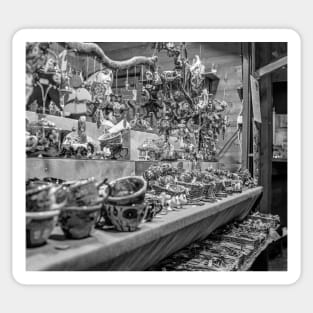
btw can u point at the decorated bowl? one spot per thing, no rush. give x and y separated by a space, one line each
126 218
39 226
79 222
127 191
85 192
45 197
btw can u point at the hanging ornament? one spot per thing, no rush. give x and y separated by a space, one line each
87 67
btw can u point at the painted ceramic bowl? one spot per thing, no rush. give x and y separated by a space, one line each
127 190
85 192
39 226
45 197
126 218
79 222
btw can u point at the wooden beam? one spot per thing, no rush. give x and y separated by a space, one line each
266 136
266 129
246 112
269 68
255 128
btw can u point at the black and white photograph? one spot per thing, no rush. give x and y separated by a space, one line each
149 156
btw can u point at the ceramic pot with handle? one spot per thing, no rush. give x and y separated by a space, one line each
127 190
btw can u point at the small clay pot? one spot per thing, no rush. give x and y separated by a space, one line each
79 222
126 218
127 191
39 226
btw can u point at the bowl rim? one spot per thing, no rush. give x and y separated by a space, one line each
129 206
85 208
37 189
42 214
137 193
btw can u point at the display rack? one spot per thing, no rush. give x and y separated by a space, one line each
166 234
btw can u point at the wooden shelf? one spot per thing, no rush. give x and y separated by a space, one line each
166 234
70 169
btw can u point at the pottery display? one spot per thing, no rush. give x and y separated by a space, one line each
39 226
79 222
126 218
127 190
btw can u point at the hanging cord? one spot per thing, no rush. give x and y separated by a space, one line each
44 96
126 84
155 50
116 77
87 63
225 80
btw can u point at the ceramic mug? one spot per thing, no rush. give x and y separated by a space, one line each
126 218
127 190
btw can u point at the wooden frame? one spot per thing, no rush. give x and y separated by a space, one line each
271 67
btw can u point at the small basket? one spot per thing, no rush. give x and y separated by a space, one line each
172 190
110 139
208 190
219 187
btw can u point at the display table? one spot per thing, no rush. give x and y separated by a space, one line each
153 241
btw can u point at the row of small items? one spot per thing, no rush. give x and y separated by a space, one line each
226 249
43 139
208 185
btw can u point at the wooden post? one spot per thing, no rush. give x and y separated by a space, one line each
246 113
266 131
255 128
266 143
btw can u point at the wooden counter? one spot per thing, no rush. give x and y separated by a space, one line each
153 241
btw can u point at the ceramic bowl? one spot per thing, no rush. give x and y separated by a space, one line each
79 222
127 191
39 226
45 197
85 192
126 218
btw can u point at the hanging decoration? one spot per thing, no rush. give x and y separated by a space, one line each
178 102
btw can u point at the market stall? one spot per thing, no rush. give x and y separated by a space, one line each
127 162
